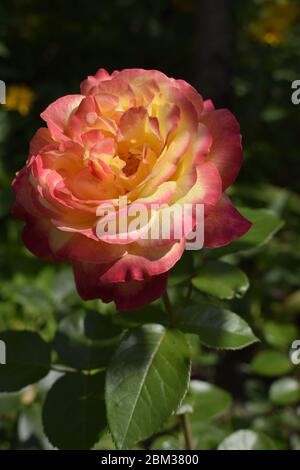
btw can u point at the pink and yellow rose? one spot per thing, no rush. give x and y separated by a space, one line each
134 133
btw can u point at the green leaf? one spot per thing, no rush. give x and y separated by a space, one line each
6 196
279 335
86 340
292 303
182 271
166 442
146 382
27 360
207 435
273 113
63 286
151 313
265 225
74 411
215 326
285 391
221 280
247 440
10 402
207 401
32 299
271 363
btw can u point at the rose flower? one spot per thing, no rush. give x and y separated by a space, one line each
134 133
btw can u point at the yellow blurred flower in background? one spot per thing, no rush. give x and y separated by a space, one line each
183 5
274 21
19 98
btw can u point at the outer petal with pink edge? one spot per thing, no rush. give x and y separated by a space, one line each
226 149
35 238
57 115
139 264
93 80
224 224
41 138
128 295
77 247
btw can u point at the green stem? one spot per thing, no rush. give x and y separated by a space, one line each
189 293
187 431
63 370
168 306
184 418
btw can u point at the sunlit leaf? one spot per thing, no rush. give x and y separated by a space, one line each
271 363
221 280
215 326
207 401
146 382
166 442
285 391
247 440
279 335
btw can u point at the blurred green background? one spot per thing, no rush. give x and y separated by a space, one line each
245 56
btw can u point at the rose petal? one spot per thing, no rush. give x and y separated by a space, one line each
139 264
226 149
92 81
57 115
127 295
224 225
